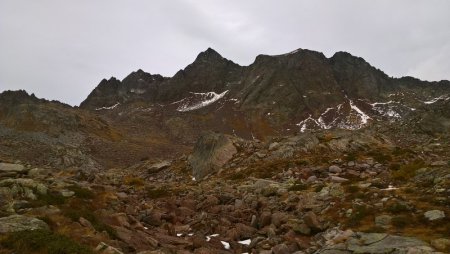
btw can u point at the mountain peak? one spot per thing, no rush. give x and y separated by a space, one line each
208 55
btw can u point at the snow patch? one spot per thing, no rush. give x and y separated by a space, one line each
208 237
110 107
226 245
245 242
390 187
210 98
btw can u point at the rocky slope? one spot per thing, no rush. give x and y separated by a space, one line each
46 133
329 192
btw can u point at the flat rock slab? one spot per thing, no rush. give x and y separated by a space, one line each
375 243
8 167
16 223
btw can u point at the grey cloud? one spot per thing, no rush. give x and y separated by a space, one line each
62 49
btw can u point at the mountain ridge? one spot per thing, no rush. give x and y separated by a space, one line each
212 66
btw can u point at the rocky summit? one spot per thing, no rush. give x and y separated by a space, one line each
294 153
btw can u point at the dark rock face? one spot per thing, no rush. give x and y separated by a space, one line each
211 152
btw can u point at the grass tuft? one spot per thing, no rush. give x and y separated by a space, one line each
42 241
408 171
155 193
76 214
51 198
82 192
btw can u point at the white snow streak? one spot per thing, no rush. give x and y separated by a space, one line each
364 117
111 107
442 97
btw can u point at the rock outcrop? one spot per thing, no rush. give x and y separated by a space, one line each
16 223
211 152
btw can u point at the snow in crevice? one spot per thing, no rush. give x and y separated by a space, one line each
364 117
208 99
355 119
303 124
176 102
376 104
386 109
442 97
110 107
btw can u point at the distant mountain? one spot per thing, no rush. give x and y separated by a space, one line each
302 88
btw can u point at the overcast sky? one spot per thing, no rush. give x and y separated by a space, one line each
62 49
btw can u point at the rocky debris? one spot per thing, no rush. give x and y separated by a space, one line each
15 223
211 152
433 215
376 243
312 221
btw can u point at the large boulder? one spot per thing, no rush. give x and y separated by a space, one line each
434 215
211 152
16 223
